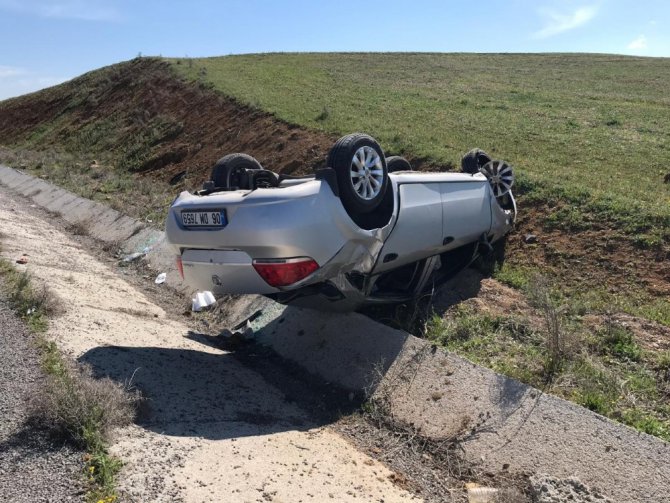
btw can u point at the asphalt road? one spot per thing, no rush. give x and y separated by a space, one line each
33 467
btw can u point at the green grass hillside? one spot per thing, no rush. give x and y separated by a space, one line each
593 130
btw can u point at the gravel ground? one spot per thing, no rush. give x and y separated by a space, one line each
32 466
549 489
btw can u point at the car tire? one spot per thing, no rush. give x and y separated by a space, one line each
397 163
474 160
361 172
230 171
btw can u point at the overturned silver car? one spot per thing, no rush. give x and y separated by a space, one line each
366 229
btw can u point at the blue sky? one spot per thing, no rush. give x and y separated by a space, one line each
43 42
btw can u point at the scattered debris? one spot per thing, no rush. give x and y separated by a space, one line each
481 494
202 300
247 321
160 279
134 256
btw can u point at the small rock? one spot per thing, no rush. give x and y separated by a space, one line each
530 238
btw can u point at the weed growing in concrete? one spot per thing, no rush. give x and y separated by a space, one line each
80 228
386 385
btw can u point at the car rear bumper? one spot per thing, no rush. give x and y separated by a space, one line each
222 272
269 224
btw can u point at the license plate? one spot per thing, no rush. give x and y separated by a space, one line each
213 218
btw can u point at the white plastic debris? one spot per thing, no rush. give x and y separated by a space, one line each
133 256
202 300
160 279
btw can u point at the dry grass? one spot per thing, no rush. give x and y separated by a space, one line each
82 408
435 468
386 388
560 344
80 228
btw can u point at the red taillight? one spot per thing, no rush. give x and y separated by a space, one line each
284 272
180 267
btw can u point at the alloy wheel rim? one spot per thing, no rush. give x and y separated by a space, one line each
500 177
367 173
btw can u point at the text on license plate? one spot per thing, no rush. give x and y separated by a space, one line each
214 218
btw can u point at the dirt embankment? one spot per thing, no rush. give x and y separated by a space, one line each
151 122
597 258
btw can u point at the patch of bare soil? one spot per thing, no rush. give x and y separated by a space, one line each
485 294
489 296
650 335
600 257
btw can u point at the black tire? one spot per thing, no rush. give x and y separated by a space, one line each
341 159
473 161
263 179
397 163
230 171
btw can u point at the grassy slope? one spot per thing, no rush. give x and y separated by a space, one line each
597 127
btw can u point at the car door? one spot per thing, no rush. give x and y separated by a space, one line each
417 233
466 212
